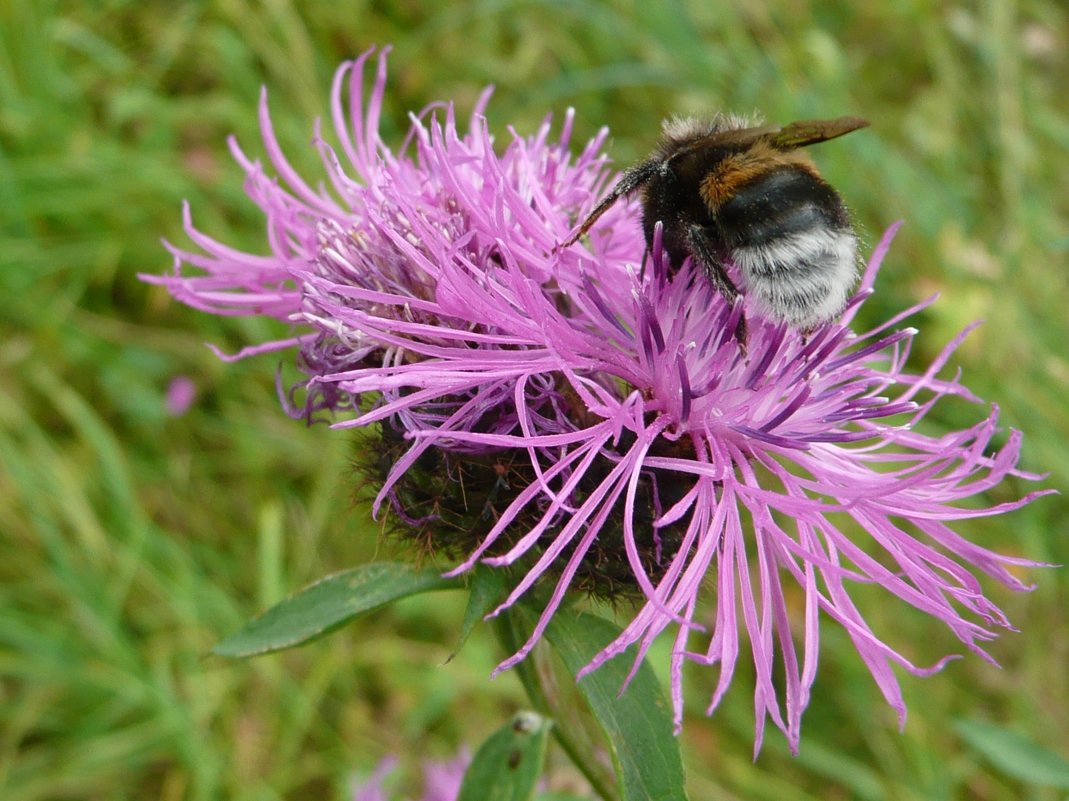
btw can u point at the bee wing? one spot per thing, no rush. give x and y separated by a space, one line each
782 137
739 137
809 132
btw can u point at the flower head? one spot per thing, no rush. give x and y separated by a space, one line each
593 422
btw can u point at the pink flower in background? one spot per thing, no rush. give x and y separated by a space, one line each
441 780
181 392
590 423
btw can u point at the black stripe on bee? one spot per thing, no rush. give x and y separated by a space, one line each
789 200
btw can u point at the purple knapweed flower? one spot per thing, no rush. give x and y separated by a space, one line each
592 423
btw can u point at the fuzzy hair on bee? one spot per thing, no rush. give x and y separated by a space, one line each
732 193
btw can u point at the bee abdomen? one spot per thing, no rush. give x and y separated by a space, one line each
788 200
789 234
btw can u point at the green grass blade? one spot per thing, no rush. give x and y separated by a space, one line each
1016 755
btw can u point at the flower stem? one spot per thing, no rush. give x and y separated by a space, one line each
574 730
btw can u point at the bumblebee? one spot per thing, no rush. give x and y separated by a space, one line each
732 194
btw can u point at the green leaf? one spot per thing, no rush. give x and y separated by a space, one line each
1015 754
508 765
328 604
638 723
486 590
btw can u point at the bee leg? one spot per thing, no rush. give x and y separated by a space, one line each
703 251
645 258
741 332
631 180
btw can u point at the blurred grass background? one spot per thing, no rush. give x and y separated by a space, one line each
132 541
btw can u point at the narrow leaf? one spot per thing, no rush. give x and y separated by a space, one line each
486 590
637 722
328 604
508 765
1015 754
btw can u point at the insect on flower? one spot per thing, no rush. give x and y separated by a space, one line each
733 194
